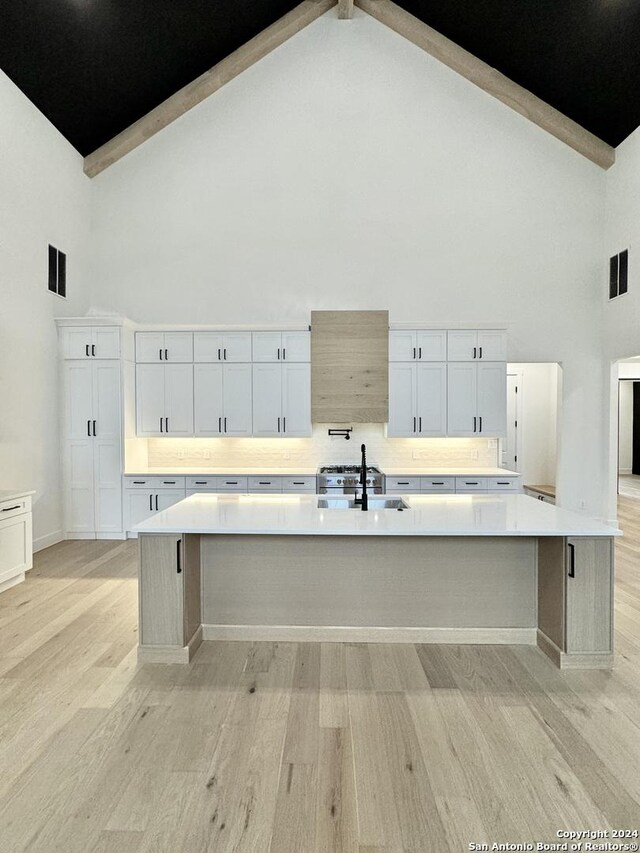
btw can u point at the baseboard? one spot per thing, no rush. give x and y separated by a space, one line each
171 654
347 634
14 581
74 534
118 535
625 472
47 541
583 660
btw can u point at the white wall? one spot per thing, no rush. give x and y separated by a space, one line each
44 198
537 421
349 169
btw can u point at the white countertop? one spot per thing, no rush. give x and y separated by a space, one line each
223 472
428 515
14 494
450 472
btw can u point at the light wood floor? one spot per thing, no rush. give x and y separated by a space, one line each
298 748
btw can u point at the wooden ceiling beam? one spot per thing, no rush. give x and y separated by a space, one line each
345 9
208 83
490 80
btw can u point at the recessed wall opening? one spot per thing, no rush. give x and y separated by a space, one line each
628 457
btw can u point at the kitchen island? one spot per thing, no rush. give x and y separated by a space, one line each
447 569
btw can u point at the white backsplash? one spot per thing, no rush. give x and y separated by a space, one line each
320 449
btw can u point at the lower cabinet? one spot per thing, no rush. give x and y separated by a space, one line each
144 497
408 485
16 546
169 589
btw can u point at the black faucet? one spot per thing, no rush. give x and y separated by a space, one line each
364 500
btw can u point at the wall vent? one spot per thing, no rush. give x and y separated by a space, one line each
618 274
57 279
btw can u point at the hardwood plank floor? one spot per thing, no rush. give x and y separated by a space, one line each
298 748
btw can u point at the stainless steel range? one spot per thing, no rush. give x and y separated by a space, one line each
345 480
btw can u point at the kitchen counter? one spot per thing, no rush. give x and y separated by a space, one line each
14 494
429 515
302 471
449 472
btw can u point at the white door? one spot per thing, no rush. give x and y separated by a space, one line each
296 400
267 346
462 345
107 486
402 346
150 399
106 400
178 346
78 399
296 346
510 448
462 415
267 399
149 347
178 399
168 498
106 342
236 346
76 342
138 505
492 345
208 399
431 393
432 345
207 346
492 398
237 419
79 491
402 400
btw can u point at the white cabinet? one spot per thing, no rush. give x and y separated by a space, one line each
16 548
477 345
418 345
219 346
282 400
164 399
222 399
281 346
417 399
92 447
90 342
145 496
477 399
154 347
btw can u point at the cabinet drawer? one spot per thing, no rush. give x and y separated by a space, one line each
261 484
438 484
403 484
154 483
298 484
230 484
202 483
15 507
503 484
471 484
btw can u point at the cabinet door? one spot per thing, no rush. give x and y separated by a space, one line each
432 345
267 346
462 417
106 342
492 345
237 418
15 546
106 400
78 399
402 346
178 399
150 409
492 398
78 486
267 399
296 346
149 347
138 505
589 595
431 393
402 400
296 400
178 346
236 346
208 400
169 497
462 345
161 591
207 346
76 342
107 486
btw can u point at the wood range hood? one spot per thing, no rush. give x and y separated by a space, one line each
350 366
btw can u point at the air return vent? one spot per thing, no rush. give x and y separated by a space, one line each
618 274
57 279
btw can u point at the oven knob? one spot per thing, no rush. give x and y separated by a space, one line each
339 482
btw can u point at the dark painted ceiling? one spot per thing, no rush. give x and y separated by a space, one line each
93 67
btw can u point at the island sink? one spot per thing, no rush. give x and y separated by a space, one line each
377 502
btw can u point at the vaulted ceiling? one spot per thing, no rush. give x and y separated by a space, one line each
94 67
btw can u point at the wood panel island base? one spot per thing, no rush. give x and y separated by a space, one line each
454 569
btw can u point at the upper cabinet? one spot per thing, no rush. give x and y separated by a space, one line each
90 342
477 399
418 345
281 400
417 400
164 399
153 347
222 399
281 346
222 346
477 345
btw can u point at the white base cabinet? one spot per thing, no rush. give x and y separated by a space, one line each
16 541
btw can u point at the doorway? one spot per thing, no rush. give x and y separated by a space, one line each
629 437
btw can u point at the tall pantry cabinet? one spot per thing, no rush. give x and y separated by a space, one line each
91 427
